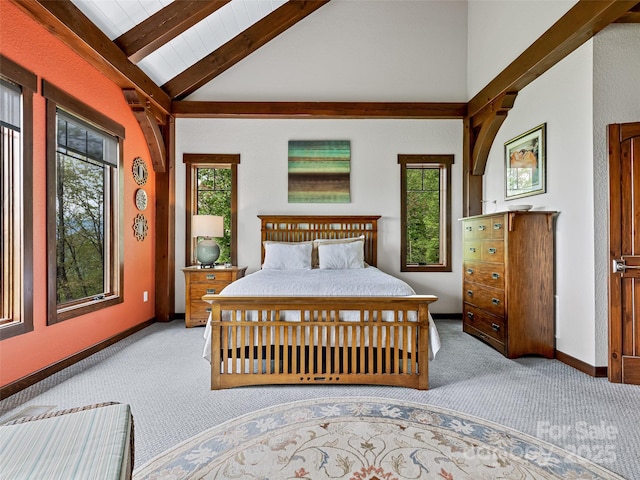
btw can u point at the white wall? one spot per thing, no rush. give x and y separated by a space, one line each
364 50
616 99
500 30
561 98
375 183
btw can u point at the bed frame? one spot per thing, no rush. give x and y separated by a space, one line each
321 349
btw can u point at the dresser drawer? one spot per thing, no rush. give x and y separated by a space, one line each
490 274
200 289
497 227
477 229
210 275
490 299
491 325
199 313
472 250
492 251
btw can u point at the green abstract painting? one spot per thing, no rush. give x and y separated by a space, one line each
319 171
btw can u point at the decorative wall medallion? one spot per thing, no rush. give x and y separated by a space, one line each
140 172
141 199
140 227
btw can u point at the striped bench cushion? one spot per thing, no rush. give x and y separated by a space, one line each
87 444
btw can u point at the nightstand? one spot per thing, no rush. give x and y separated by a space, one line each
201 281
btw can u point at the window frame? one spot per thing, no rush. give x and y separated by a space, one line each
193 161
57 98
443 163
23 322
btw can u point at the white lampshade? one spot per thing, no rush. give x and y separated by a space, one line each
207 226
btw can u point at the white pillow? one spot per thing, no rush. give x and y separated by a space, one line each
323 241
287 256
337 256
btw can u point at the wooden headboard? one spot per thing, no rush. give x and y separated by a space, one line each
302 228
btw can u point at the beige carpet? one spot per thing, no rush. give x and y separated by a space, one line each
365 439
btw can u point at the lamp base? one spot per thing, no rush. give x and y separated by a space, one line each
207 252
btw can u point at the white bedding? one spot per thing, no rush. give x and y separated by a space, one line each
368 281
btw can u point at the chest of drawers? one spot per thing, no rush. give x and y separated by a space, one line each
508 286
200 281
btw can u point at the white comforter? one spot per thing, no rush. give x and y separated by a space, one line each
320 282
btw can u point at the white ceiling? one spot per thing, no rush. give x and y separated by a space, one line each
115 17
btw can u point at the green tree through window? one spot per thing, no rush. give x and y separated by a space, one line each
212 189
85 250
423 216
425 212
213 197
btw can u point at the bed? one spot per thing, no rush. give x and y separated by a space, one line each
293 322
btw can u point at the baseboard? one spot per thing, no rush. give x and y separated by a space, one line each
33 378
447 316
580 365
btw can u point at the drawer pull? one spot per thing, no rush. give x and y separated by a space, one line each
468 229
472 249
470 315
208 309
495 327
469 293
497 226
211 291
211 276
482 228
470 271
495 276
492 251
495 301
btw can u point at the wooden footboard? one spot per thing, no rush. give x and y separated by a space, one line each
319 340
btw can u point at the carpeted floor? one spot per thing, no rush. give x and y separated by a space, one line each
159 371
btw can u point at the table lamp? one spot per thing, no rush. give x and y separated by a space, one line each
207 227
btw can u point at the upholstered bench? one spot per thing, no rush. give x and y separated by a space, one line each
93 442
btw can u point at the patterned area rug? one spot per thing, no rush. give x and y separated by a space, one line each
365 439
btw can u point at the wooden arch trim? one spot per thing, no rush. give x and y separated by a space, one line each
486 125
150 128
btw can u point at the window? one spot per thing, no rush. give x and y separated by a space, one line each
212 190
83 181
425 213
16 191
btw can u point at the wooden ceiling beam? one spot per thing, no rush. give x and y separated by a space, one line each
300 110
165 25
578 25
69 24
247 42
632 16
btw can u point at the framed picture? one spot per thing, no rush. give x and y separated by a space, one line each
526 164
319 171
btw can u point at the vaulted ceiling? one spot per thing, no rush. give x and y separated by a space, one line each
161 51
167 49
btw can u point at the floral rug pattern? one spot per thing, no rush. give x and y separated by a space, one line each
365 439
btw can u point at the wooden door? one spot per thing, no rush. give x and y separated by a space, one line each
624 243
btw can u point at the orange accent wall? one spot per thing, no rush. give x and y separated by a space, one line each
27 43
